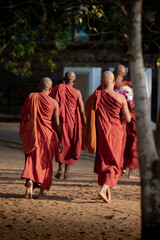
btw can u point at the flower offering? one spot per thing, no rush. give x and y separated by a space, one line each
128 93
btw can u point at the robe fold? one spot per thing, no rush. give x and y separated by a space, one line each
89 129
131 159
39 139
70 119
109 138
28 131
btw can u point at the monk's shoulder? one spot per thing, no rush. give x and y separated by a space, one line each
78 91
31 95
119 97
54 101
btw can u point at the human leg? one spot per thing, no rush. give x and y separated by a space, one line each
42 196
105 193
131 174
66 176
59 171
29 189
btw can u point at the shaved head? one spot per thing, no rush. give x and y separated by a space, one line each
45 84
107 78
69 77
120 70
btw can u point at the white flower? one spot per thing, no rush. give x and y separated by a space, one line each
129 98
128 93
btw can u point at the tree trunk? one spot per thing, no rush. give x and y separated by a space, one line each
157 133
149 162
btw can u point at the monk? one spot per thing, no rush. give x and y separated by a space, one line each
71 108
108 106
39 138
131 159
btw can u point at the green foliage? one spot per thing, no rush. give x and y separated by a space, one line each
60 44
51 64
12 67
25 33
32 26
83 65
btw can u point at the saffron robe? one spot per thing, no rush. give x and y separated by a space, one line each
70 119
109 138
89 129
39 139
131 159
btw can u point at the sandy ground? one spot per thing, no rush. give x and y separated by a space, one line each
73 210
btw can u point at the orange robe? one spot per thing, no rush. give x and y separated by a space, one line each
70 119
38 138
89 129
131 159
109 138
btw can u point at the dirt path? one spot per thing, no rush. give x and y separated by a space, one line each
73 210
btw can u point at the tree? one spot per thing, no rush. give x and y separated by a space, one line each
27 27
149 161
157 134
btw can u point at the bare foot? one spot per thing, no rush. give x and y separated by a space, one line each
28 193
58 174
132 175
115 187
42 197
67 177
108 194
105 193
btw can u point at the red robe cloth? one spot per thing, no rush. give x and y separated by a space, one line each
109 138
70 119
131 159
124 135
38 161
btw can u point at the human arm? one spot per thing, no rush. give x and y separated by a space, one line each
58 126
125 109
81 107
80 101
